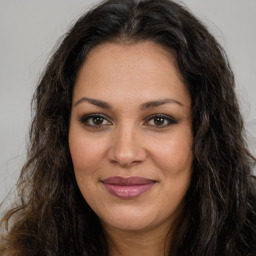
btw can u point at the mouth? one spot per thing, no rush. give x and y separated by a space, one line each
127 188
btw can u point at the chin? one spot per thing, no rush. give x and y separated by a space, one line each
129 224
132 220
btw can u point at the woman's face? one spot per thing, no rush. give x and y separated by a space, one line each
131 135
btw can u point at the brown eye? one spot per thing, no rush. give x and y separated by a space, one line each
160 121
95 120
98 120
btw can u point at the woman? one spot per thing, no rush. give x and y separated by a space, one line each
137 143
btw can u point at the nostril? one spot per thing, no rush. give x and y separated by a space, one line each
126 158
124 164
126 147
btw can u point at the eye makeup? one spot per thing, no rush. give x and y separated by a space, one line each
95 120
159 120
99 120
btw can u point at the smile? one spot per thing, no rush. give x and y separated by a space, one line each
127 188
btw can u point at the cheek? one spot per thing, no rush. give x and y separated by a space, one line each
87 158
174 157
86 153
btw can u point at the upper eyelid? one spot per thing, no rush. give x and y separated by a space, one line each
160 115
87 116
95 114
84 120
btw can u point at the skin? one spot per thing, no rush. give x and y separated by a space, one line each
127 141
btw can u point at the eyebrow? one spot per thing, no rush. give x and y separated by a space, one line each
146 105
156 103
99 103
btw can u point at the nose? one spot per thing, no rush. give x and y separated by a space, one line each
127 146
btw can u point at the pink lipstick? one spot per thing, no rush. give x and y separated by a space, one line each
127 188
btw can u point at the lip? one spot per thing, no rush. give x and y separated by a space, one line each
127 188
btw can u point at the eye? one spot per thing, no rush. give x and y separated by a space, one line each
95 120
160 120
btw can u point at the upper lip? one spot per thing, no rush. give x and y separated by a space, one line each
130 181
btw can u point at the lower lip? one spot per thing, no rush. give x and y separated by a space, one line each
127 192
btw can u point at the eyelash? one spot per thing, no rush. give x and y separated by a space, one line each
168 120
85 120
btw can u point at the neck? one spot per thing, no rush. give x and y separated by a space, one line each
136 243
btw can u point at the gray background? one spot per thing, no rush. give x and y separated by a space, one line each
29 30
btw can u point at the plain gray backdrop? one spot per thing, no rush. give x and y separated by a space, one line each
29 30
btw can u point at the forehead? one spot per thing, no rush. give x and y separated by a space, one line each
114 69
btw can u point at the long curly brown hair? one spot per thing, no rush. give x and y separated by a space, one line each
219 217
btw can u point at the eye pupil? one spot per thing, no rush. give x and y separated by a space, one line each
97 120
159 121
